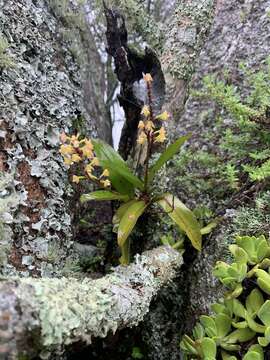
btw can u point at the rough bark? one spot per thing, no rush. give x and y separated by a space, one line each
240 33
186 33
40 97
40 316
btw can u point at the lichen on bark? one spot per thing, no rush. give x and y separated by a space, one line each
66 310
39 98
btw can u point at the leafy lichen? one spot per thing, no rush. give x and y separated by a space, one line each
67 310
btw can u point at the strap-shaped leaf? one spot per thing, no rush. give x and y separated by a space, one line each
125 253
102 195
167 155
111 160
183 217
120 212
129 219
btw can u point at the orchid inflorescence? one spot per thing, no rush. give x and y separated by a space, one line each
75 151
105 167
147 127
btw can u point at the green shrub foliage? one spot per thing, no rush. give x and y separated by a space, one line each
246 141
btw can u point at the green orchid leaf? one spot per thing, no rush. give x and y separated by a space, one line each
117 167
251 355
237 291
208 228
264 285
230 347
167 155
183 217
240 324
125 253
129 220
221 270
238 271
209 348
121 211
263 280
219 308
248 244
103 195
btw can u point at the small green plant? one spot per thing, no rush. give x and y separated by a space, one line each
240 325
136 353
121 184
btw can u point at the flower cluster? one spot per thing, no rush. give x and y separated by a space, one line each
147 127
75 150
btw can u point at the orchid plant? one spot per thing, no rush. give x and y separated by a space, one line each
106 168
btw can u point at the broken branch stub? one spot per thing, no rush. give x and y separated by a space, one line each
130 65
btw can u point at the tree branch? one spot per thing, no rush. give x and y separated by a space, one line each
47 314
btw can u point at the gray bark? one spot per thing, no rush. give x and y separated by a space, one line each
240 33
41 316
40 98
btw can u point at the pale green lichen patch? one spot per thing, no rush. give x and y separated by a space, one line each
9 201
39 99
186 34
68 310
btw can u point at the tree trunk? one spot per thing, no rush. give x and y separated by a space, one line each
239 34
40 92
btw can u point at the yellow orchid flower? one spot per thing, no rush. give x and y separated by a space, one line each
66 150
105 173
76 158
105 183
161 135
164 116
142 138
95 162
76 179
149 126
145 111
68 161
141 125
88 169
87 149
147 78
